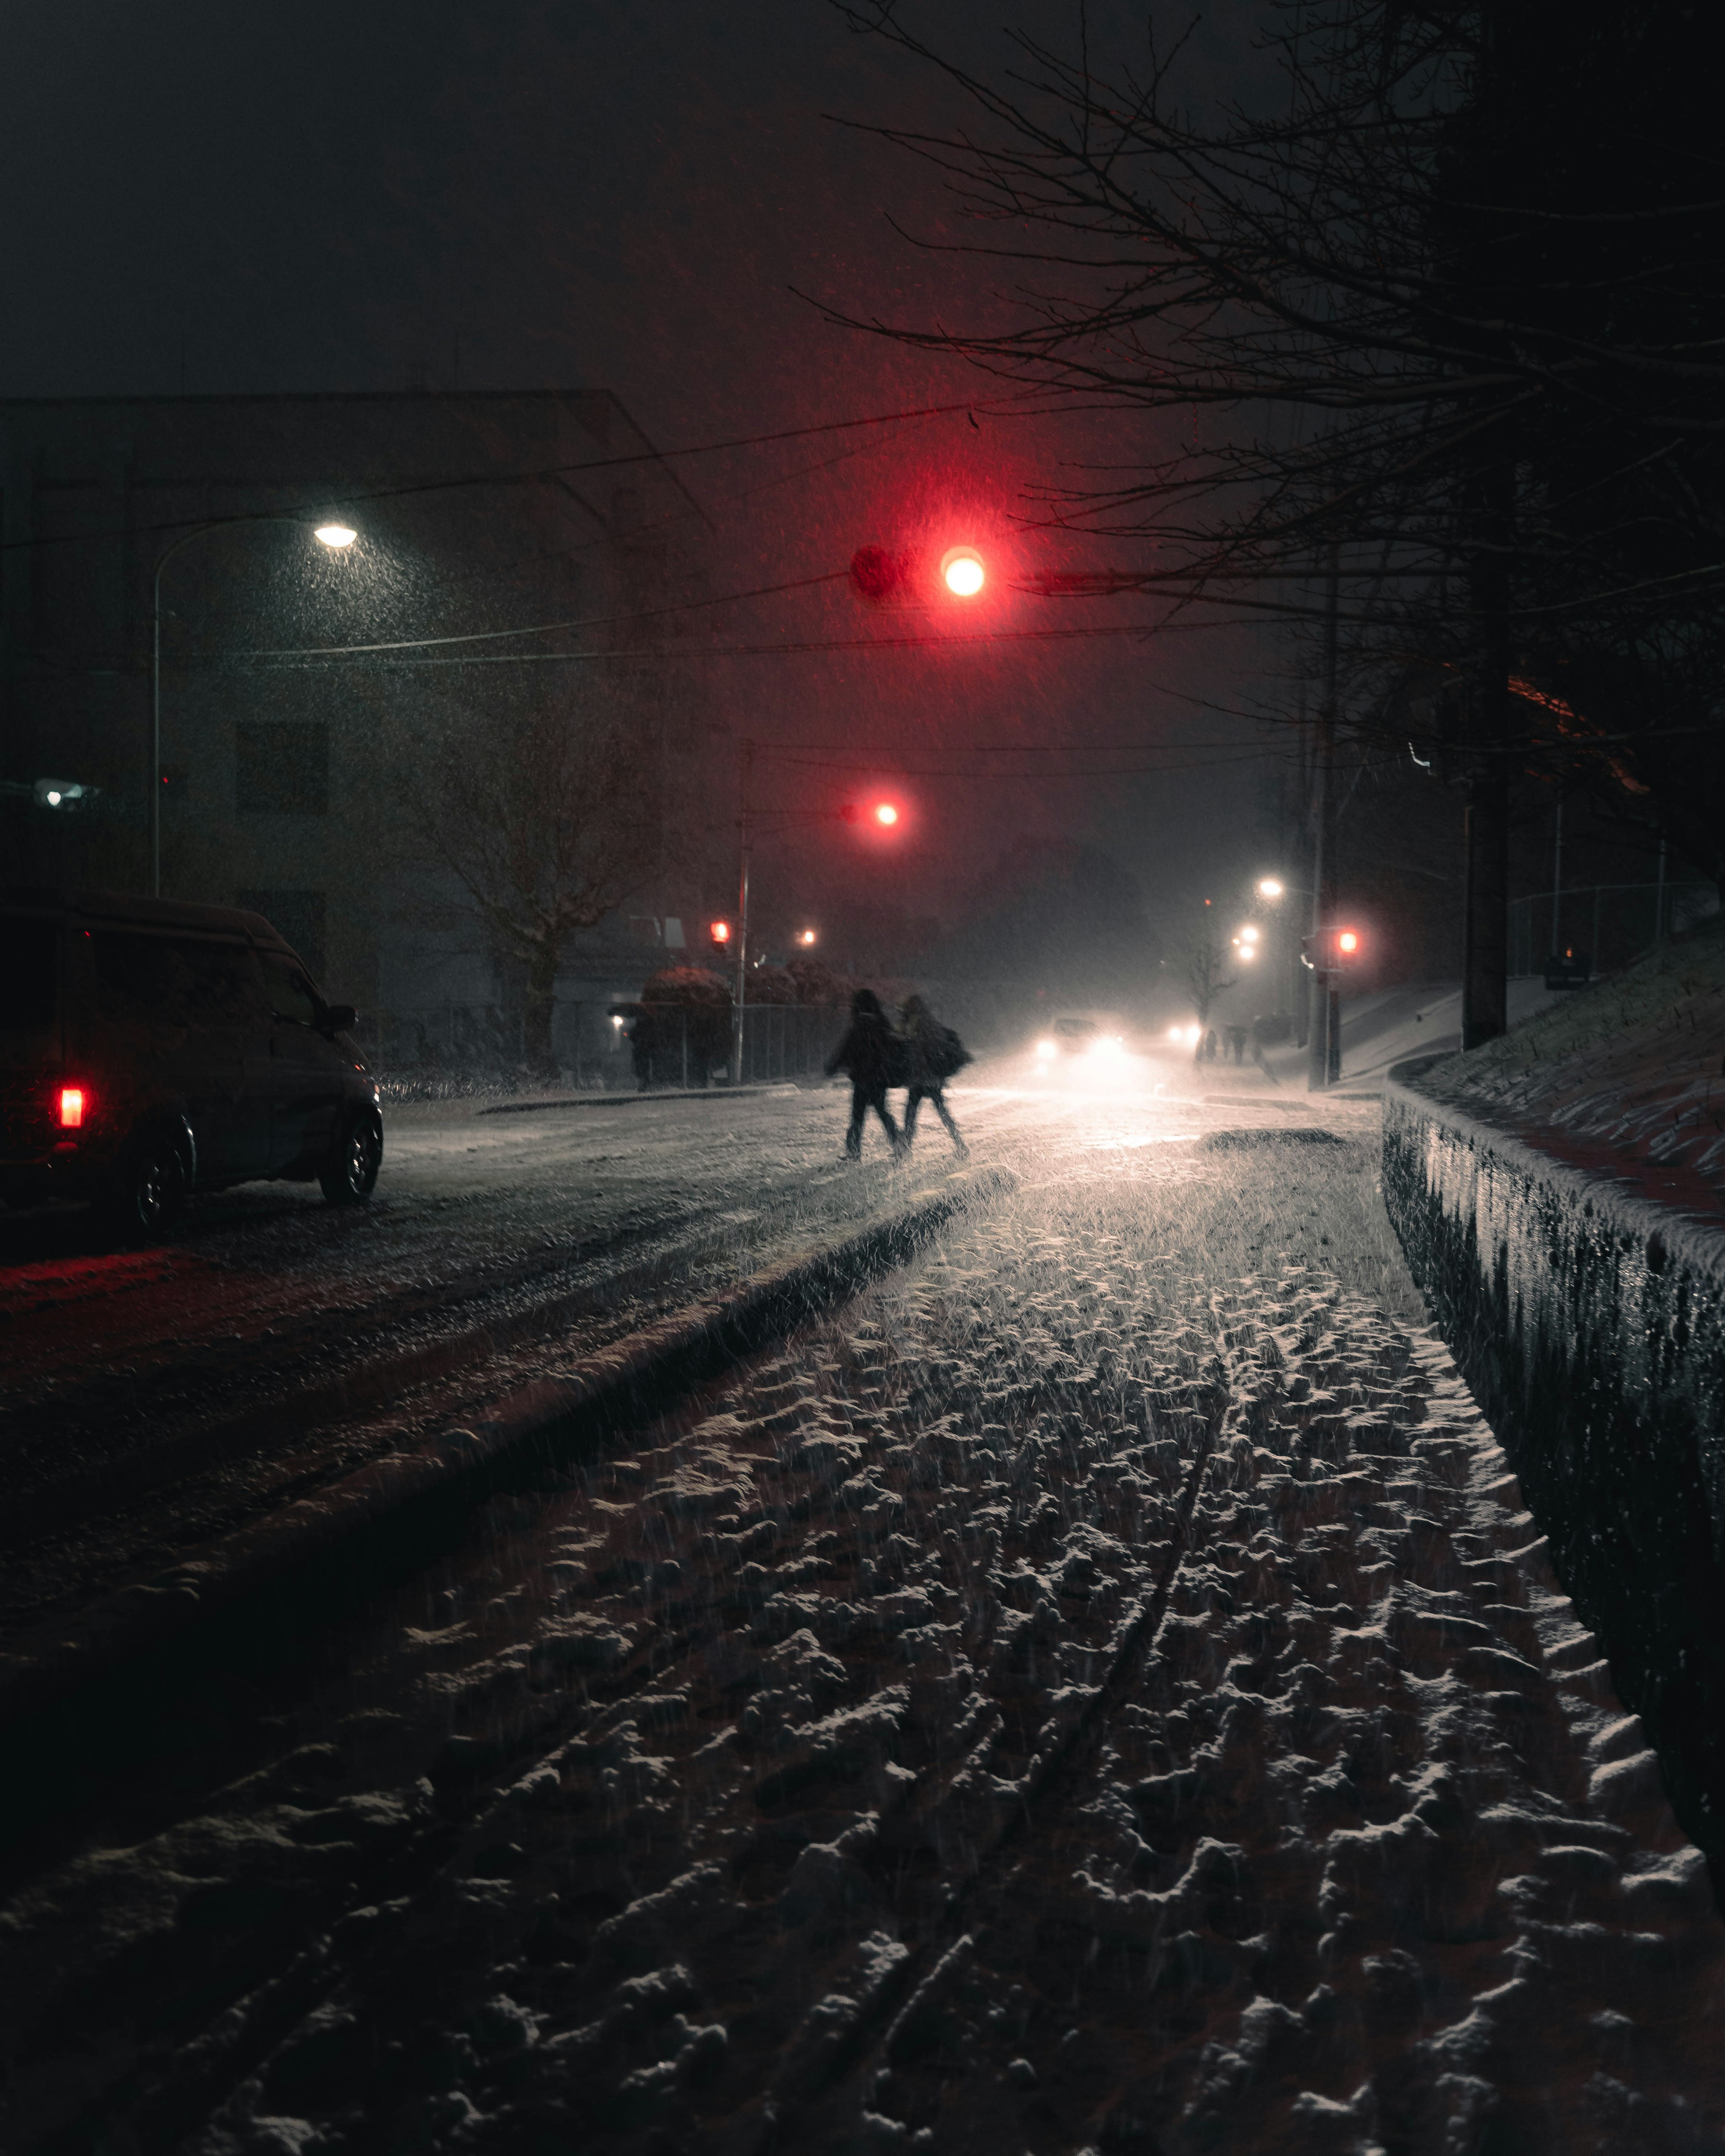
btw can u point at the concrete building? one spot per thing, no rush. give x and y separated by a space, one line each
510 545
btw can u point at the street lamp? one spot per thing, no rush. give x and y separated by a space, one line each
334 536
1269 887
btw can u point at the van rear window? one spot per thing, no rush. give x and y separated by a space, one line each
174 980
31 947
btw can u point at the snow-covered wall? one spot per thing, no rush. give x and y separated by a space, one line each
1590 1323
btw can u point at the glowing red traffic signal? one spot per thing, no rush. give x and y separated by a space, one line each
961 572
720 931
1331 948
71 1107
885 814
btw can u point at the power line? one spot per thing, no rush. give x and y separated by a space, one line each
649 456
547 628
783 650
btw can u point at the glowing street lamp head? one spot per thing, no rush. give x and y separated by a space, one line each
806 937
1248 934
1269 887
336 536
961 572
886 815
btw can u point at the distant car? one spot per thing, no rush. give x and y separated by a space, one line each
1098 1033
149 1047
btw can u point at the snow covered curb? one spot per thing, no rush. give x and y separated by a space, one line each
1590 1322
779 1086
627 1377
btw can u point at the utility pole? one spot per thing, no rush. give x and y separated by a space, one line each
1658 901
1484 945
745 836
1325 1066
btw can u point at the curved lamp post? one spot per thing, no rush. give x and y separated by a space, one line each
334 536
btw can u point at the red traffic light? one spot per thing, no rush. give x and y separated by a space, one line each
1332 948
883 814
720 931
961 572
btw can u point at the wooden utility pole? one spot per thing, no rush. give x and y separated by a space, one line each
1325 1066
746 840
1485 933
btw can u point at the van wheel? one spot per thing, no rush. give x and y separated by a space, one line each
147 1192
351 1175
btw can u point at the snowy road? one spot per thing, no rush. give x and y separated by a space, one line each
151 1400
1097 1691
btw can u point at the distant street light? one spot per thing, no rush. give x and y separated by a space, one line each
807 936
1269 887
333 535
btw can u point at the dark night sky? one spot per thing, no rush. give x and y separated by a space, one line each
373 196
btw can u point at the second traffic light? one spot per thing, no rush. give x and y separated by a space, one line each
1332 949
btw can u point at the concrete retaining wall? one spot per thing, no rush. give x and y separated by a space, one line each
1590 1323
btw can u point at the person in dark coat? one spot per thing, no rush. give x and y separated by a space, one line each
642 1045
936 1054
869 1053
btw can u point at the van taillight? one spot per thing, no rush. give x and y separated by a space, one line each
71 1107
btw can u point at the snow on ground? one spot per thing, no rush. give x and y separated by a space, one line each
154 1400
1627 1075
1097 1691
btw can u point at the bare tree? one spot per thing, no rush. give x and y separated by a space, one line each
543 813
1201 964
1437 305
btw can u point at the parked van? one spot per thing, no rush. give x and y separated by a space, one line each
150 1048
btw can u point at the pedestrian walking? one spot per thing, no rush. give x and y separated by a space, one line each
643 1033
936 1054
1237 1044
873 1055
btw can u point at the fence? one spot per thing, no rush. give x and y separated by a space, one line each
684 1043
1612 922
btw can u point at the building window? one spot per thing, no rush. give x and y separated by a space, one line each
282 770
298 915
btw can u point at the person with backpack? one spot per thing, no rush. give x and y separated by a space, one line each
937 1054
873 1055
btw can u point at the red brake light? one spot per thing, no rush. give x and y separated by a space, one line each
71 1107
